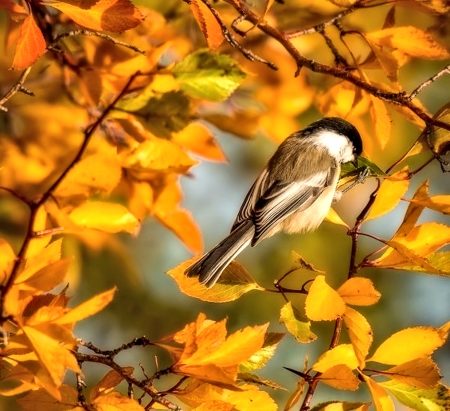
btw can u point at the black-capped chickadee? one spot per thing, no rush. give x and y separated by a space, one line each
293 193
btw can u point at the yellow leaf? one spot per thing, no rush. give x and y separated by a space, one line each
208 24
198 139
115 401
360 334
215 405
7 257
234 282
414 210
390 193
94 174
322 302
359 291
39 243
420 373
409 344
381 399
301 330
109 381
30 45
49 255
108 217
158 154
341 377
333 217
54 357
46 278
88 308
411 41
381 120
342 354
415 246
107 15
237 348
250 397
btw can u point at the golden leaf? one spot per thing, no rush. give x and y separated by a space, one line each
411 41
108 217
30 45
88 308
359 291
420 373
381 399
341 377
116 401
37 244
389 195
360 333
322 302
333 217
7 257
54 357
409 344
41 401
342 354
234 282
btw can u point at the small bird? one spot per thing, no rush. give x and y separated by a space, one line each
293 193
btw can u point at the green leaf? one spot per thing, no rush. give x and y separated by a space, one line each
435 399
349 172
162 115
298 327
207 75
260 358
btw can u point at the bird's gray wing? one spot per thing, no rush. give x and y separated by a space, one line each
283 198
247 209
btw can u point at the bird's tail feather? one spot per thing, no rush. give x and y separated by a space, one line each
211 265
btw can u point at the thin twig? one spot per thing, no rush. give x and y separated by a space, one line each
17 87
84 32
431 80
148 389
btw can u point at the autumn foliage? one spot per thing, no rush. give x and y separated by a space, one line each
106 104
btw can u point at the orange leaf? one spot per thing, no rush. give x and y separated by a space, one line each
166 209
198 139
322 302
208 24
360 334
30 46
409 344
107 15
359 291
